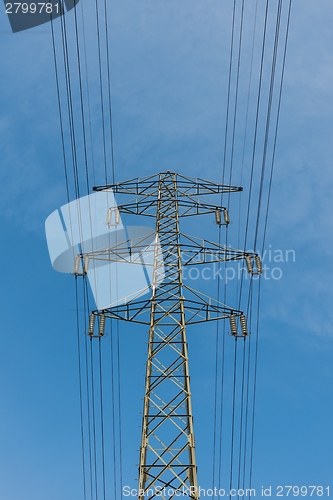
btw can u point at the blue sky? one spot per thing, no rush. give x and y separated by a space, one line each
169 79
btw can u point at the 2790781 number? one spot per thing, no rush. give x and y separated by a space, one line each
32 8
303 491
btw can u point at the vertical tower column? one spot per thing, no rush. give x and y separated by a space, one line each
167 455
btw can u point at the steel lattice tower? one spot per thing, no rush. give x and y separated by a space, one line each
167 453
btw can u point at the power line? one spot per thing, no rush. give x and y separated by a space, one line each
244 368
80 389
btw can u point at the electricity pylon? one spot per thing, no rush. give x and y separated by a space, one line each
167 465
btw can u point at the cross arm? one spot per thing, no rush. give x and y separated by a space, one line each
194 251
186 207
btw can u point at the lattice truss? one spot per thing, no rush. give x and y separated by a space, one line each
167 454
